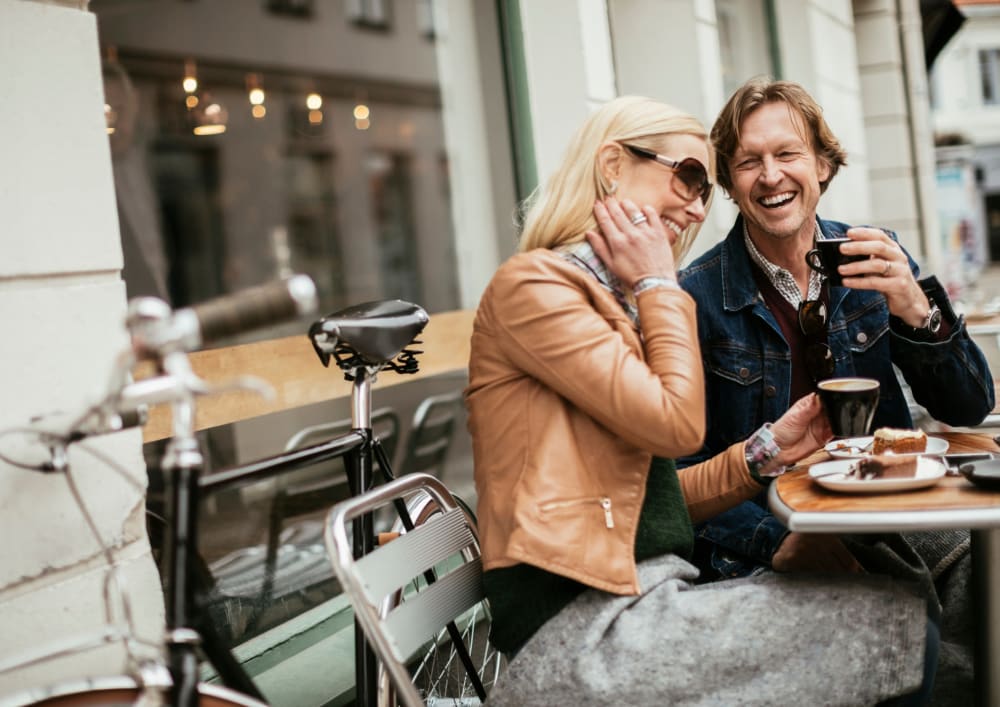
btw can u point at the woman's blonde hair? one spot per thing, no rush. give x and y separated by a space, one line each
561 211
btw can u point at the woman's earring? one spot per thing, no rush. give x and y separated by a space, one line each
613 187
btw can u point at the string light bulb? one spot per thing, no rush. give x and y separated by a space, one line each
190 82
256 96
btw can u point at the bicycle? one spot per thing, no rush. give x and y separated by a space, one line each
158 334
363 340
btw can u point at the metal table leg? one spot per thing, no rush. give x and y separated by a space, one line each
986 583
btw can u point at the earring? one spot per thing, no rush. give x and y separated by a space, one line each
613 187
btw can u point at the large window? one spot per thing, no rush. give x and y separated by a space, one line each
251 139
989 75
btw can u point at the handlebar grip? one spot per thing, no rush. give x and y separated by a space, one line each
252 308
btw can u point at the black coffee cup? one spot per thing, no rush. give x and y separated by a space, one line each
826 257
850 404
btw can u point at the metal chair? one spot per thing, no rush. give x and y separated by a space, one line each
430 434
316 490
406 591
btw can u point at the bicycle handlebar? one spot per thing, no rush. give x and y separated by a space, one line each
255 307
157 331
161 334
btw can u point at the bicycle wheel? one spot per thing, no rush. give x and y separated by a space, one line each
438 671
122 691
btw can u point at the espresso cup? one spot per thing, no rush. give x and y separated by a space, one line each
826 257
850 404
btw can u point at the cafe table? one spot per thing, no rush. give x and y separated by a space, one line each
803 506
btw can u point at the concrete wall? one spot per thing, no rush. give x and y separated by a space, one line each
61 307
685 72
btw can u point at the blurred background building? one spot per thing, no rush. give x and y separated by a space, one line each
188 148
965 107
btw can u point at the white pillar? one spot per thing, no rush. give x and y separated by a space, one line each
897 122
62 304
818 50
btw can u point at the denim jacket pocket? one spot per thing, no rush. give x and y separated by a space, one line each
734 362
734 377
867 327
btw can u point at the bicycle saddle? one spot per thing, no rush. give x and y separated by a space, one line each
375 332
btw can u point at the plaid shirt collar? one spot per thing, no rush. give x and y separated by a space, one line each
783 280
584 257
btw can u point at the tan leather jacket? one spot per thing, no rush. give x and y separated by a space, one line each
568 403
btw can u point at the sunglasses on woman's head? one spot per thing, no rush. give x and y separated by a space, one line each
812 323
690 180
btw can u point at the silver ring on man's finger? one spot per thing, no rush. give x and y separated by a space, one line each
888 268
638 219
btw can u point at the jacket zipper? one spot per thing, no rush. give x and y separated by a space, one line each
603 501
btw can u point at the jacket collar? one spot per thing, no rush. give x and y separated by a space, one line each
739 289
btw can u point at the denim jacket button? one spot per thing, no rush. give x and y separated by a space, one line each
770 391
744 373
862 337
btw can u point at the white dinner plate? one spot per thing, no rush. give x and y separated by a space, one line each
833 475
850 448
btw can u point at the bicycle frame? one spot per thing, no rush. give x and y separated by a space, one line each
364 340
182 467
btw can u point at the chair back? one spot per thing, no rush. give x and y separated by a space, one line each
448 545
385 425
431 433
314 489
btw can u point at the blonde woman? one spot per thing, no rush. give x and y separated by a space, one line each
585 381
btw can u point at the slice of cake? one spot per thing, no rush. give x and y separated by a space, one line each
889 440
884 467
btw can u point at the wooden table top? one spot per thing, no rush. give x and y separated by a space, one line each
802 495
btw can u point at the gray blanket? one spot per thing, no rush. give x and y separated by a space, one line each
767 640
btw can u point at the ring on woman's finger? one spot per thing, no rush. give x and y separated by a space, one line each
888 268
638 219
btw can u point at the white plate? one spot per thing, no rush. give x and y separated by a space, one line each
833 475
850 448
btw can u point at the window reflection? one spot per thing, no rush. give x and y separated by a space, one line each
318 150
332 163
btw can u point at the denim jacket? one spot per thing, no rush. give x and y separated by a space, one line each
748 378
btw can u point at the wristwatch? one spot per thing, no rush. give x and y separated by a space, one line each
932 322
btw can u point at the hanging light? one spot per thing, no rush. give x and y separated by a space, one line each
190 81
209 117
110 118
314 102
362 117
255 94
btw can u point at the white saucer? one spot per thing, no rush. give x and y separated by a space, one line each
832 475
850 447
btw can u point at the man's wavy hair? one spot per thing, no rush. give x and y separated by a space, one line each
760 91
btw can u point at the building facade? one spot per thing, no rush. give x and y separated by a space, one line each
965 85
383 146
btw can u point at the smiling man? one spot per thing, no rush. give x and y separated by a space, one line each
771 327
